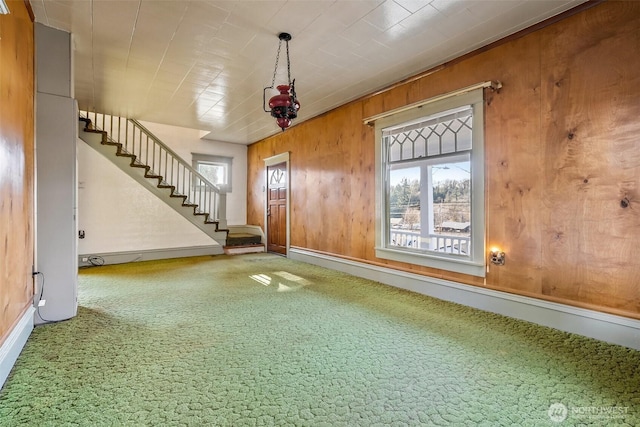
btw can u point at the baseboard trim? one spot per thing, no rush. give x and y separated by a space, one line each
244 249
13 345
590 323
149 255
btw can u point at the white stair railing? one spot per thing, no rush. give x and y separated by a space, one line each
208 199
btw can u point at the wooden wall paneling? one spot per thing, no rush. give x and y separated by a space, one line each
362 179
513 166
300 180
353 180
327 186
16 164
306 217
591 110
255 185
561 160
371 105
339 180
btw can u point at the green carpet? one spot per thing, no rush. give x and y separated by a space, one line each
258 339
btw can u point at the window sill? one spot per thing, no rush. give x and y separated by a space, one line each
443 263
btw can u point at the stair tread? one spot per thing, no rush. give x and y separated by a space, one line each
243 235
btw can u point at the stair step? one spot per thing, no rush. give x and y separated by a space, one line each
242 239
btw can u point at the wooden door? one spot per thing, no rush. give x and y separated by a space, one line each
277 208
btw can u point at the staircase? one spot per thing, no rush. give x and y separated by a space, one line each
142 156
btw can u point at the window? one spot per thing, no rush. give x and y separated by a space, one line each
430 193
216 169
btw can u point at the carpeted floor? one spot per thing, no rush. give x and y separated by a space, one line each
259 340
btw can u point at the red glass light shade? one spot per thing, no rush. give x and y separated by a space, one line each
283 122
284 107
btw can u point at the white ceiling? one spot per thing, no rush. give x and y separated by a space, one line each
204 64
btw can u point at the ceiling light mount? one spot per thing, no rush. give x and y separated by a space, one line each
284 36
284 106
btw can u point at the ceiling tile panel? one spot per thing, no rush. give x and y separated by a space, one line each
167 11
413 5
253 14
257 48
387 15
190 38
425 17
452 7
297 16
317 31
526 13
205 14
39 10
348 12
66 3
487 9
59 13
457 24
233 35
114 25
204 64
175 67
361 32
200 78
337 46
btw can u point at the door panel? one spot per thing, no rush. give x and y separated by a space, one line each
277 208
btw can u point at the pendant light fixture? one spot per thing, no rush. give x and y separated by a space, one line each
284 106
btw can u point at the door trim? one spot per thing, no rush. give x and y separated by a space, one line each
271 161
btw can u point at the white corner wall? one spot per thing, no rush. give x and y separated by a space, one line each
119 216
55 154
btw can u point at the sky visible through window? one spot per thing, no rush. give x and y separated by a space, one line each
441 173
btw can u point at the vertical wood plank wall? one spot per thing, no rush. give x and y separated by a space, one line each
16 164
562 163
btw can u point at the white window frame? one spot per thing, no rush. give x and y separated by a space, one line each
475 264
227 162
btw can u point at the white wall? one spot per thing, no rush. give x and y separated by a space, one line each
185 141
118 215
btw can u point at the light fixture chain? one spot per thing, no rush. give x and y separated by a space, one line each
275 69
288 64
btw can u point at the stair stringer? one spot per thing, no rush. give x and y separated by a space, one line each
99 141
